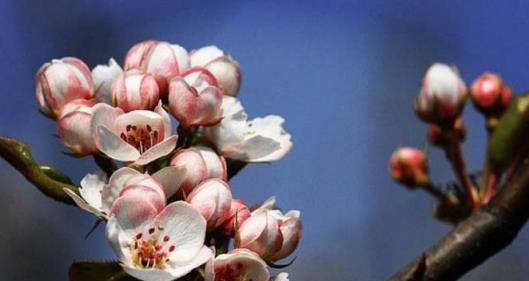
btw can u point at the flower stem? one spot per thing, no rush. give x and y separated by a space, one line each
434 191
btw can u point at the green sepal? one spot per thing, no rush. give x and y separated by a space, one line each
56 174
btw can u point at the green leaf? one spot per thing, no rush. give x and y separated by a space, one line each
511 133
98 271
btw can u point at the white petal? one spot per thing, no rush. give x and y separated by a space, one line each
171 179
114 147
166 119
103 115
204 55
91 187
230 130
181 56
151 274
252 266
113 233
81 203
213 162
186 229
133 211
283 276
268 204
179 270
103 76
116 183
157 151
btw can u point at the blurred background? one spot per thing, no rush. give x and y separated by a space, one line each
342 73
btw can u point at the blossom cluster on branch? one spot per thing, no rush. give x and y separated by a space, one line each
167 204
440 104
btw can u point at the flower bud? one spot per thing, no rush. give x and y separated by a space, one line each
225 69
103 76
74 127
239 213
269 233
489 94
409 166
62 81
442 95
135 90
161 59
212 198
201 163
194 99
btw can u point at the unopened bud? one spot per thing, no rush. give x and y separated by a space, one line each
74 127
409 166
135 90
442 96
489 94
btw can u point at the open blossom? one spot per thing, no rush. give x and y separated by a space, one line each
134 90
270 233
161 59
139 136
73 127
61 81
98 197
195 99
239 213
442 95
157 246
238 264
409 166
103 76
212 198
257 140
201 163
225 69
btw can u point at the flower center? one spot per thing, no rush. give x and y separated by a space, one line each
149 252
141 137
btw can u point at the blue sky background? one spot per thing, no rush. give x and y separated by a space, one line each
342 73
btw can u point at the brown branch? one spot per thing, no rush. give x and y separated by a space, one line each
476 239
46 180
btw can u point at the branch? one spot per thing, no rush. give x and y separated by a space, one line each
45 179
482 235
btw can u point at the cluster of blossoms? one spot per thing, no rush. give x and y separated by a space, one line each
169 208
440 104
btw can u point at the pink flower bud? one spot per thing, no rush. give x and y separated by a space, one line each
62 81
489 94
225 69
201 163
269 232
74 127
260 233
161 59
239 213
212 198
194 99
135 90
442 95
409 166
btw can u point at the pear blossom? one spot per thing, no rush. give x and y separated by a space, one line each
195 99
61 81
409 166
161 59
225 69
201 163
103 76
270 233
238 264
98 197
257 140
73 127
139 136
239 213
134 89
157 246
283 276
489 93
212 198
442 96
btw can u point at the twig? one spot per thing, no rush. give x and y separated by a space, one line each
482 235
19 156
